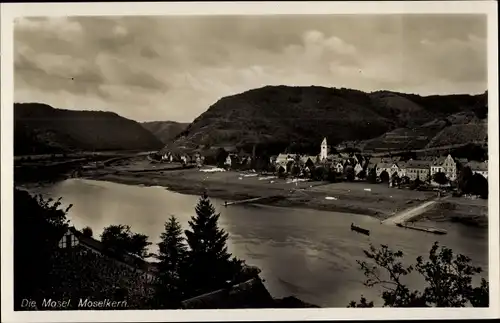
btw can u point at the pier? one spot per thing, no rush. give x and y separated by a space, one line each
401 219
424 229
244 201
255 199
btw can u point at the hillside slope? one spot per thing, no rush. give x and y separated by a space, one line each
165 131
40 128
276 116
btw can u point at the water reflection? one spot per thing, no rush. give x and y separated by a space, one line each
306 253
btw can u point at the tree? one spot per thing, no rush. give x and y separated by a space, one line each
262 163
478 185
281 172
362 174
416 183
210 265
395 180
121 239
38 226
405 180
87 232
331 175
447 279
295 170
318 173
289 165
349 173
220 157
372 176
310 164
384 176
463 180
172 252
440 178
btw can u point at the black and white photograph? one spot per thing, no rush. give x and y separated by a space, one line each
249 160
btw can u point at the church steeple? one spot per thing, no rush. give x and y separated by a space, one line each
324 150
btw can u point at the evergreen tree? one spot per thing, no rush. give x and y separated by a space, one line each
87 232
384 176
372 176
171 256
210 266
349 173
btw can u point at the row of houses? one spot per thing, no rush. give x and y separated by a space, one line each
196 158
199 159
423 168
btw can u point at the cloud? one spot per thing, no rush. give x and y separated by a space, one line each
174 68
149 52
51 25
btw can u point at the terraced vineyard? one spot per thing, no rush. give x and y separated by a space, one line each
406 138
461 133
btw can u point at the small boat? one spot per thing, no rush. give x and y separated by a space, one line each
438 231
360 230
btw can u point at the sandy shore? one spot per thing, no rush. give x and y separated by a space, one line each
376 200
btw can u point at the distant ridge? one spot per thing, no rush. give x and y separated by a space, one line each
40 128
274 117
165 131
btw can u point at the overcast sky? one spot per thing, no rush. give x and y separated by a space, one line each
174 68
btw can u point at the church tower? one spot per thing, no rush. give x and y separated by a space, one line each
324 150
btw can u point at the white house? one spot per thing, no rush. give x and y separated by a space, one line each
74 238
397 169
68 240
401 169
445 165
282 161
339 167
184 159
418 169
228 162
358 168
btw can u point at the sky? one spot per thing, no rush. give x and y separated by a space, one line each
174 68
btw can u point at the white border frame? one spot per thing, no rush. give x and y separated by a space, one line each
10 11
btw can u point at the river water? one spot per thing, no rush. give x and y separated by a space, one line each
306 253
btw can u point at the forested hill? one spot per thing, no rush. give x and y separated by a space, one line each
276 116
166 131
40 128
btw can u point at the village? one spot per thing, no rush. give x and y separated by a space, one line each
428 172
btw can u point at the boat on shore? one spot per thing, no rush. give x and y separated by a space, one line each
359 230
424 229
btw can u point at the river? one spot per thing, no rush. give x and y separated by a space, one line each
306 253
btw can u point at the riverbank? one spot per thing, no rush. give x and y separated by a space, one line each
375 200
473 213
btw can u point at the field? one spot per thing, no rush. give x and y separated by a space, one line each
379 201
379 198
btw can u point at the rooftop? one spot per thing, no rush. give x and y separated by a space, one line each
249 294
419 164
